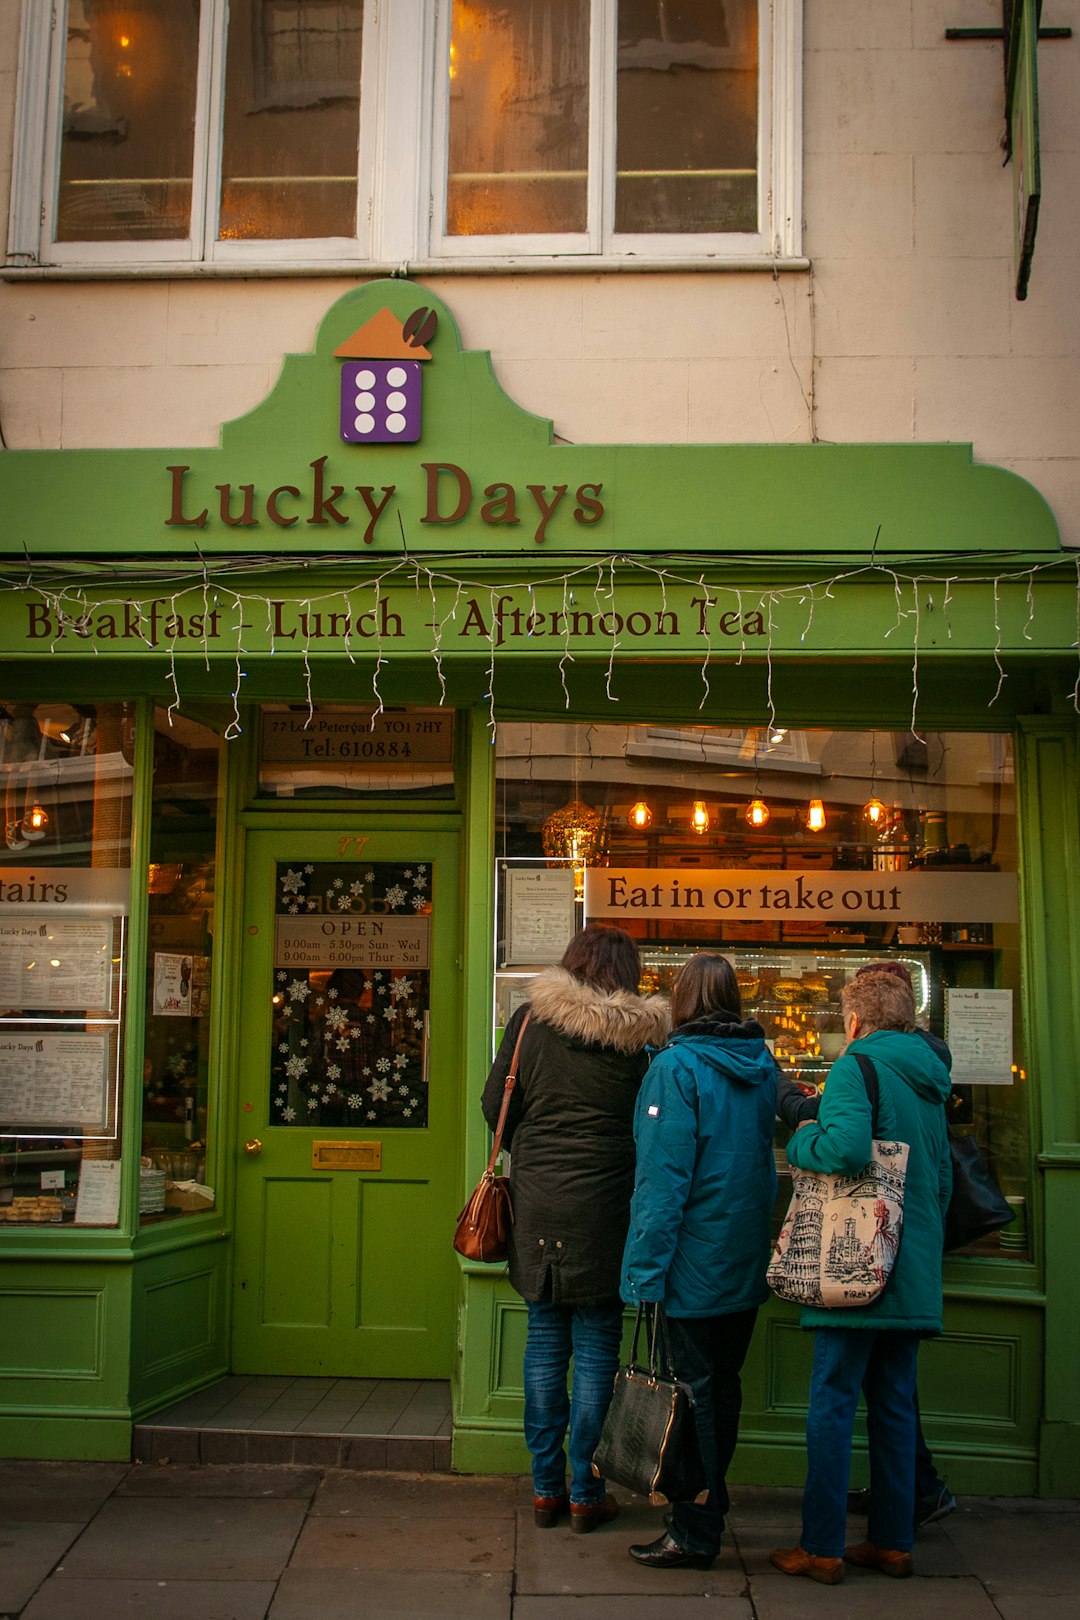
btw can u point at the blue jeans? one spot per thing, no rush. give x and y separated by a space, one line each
882 1362
591 1334
707 1353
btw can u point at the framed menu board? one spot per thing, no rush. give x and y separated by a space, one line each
61 995
57 1082
58 965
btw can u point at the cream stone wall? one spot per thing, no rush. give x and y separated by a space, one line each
904 328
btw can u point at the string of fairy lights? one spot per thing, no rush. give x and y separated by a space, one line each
70 595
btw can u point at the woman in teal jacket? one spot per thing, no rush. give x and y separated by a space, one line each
699 1222
874 1346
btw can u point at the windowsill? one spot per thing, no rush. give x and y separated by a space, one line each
566 264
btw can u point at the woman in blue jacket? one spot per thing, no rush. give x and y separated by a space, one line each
874 1347
699 1239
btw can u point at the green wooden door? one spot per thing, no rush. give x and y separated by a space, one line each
349 1105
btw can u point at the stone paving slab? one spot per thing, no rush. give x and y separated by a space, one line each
292 1543
27 1553
207 1482
472 1545
672 1607
1037 1606
866 1592
145 1538
350 1594
344 1494
64 1491
557 1562
1039 1553
164 1600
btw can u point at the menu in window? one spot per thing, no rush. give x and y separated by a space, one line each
539 915
978 1028
56 965
59 1081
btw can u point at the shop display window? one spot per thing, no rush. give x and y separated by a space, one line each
801 855
180 947
65 878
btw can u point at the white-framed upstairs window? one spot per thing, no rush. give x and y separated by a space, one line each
644 128
172 131
390 132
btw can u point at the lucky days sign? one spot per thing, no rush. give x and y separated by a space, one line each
725 894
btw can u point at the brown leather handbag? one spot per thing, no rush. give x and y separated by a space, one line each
483 1227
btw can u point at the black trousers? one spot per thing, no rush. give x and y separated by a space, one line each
707 1353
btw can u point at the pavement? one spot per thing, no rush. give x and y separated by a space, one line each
166 1541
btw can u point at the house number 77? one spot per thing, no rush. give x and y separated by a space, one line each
353 844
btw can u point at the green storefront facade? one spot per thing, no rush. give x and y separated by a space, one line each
253 625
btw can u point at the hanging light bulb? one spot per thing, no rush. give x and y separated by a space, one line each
640 816
874 812
700 819
815 815
757 813
35 821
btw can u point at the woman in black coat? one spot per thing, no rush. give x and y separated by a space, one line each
570 1129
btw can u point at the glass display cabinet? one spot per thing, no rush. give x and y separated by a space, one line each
795 995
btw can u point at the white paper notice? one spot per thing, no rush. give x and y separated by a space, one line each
57 965
172 985
539 915
54 1080
978 1028
98 1201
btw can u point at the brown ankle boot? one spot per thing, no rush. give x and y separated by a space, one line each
796 1561
547 1510
888 1559
585 1516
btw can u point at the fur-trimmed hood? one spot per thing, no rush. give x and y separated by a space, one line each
616 1018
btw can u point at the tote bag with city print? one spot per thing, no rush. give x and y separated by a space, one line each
841 1234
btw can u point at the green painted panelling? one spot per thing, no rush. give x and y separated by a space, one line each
295 1285
975 1379
1059 1460
785 1353
180 1320
511 1328
483 474
52 1333
70 1438
489 1451
394 1296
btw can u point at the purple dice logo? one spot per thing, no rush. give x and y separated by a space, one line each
380 402
381 380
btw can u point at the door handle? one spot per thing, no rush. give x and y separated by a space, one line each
253 1147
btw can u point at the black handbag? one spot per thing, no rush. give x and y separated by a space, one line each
977 1206
649 1441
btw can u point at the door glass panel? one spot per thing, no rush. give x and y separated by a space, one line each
129 118
292 119
352 986
182 883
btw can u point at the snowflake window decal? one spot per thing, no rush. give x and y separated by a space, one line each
348 1046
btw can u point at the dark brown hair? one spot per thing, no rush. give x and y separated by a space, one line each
706 984
606 958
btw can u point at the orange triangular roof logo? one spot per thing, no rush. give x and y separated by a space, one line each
381 338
